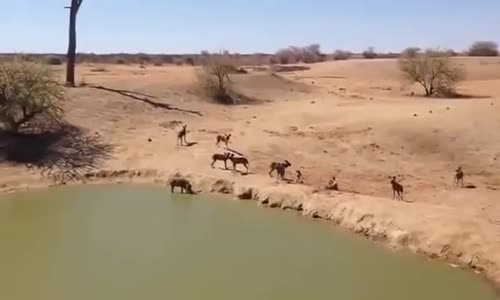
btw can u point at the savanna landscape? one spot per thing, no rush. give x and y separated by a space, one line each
360 119
353 119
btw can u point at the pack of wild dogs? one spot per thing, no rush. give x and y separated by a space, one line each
279 167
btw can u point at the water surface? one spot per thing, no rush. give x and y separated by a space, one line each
137 242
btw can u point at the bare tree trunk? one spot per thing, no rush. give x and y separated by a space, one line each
70 65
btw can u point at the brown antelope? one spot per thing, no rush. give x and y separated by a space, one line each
220 157
280 168
183 183
397 189
223 138
459 177
181 136
238 161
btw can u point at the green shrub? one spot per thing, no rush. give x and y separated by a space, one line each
30 96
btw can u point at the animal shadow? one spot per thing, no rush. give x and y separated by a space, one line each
235 152
242 173
191 144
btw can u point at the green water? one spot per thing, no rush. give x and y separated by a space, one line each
138 242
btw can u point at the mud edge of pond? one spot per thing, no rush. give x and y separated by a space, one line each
438 232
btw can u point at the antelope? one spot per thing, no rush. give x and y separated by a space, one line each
223 138
459 177
397 189
220 157
238 161
181 135
184 184
280 168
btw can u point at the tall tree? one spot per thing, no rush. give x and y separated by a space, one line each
70 66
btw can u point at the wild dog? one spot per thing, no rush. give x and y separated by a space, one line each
298 174
397 189
238 161
220 157
181 136
280 168
459 177
183 183
332 184
223 138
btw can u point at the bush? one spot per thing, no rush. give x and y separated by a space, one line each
144 59
120 61
369 53
178 61
189 61
341 55
434 71
410 52
215 77
30 96
54 61
484 48
99 70
167 59
293 54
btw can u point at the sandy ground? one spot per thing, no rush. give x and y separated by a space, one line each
353 119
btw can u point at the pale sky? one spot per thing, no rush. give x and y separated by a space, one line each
189 26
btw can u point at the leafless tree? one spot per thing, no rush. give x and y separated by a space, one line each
484 48
215 76
433 70
70 66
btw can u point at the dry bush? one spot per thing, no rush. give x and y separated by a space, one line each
54 61
284 69
369 53
286 56
341 55
120 61
144 59
30 96
388 55
178 61
434 71
410 52
167 59
484 48
214 77
189 61
293 54
99 70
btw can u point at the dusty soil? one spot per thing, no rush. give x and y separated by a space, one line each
352 119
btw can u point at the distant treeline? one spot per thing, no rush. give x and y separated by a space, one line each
290 55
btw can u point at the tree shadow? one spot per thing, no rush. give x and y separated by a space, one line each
144 98
65 154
